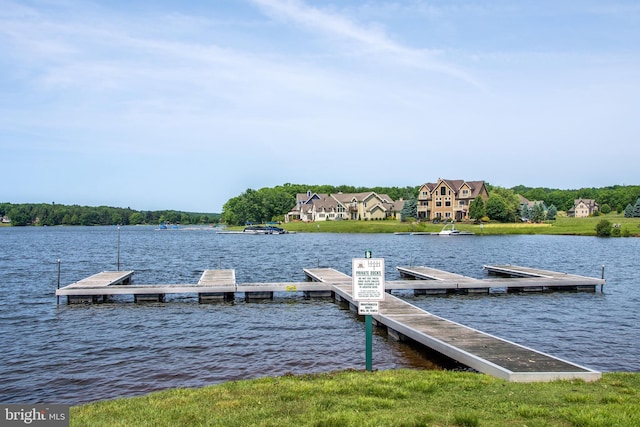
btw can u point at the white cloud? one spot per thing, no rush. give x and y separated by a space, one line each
369 39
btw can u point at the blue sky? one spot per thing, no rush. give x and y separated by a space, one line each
183 105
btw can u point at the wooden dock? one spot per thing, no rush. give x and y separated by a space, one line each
216 285
97 281
514 279
483 352
473 348
97 288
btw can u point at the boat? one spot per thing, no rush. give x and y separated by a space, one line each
451 230
264 229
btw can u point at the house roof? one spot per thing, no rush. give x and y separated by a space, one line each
456 185
588 202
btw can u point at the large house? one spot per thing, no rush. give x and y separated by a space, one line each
583 208
449 199
328 207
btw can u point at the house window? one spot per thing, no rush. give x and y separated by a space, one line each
447 203
465 192
443 191
448 214
438 203
462 203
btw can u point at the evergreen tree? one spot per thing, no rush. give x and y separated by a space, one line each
538 213
409 209
525 212
552 212
628 211
636 209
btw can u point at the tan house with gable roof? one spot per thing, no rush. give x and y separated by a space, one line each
583 208
449 199
329 207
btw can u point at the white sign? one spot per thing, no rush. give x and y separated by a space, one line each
368 307
368 279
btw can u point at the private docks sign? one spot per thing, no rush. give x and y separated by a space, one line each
368 283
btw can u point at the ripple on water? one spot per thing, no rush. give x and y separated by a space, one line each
74 354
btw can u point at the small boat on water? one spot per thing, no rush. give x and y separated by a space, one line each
264 229
165 226
451 230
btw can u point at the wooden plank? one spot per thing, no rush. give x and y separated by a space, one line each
516 270
285 287
218 278
428 273
141 289
473 348
102 279
326 275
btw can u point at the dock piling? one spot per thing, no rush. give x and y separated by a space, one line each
58 296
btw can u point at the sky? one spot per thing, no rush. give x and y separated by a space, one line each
183 105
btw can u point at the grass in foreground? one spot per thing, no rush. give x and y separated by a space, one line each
383 398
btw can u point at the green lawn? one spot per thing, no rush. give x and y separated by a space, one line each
382 398
562 225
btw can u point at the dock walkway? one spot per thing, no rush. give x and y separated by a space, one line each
513 279
481 351
473 348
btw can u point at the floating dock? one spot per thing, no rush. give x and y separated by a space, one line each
216 285
514 279
478 350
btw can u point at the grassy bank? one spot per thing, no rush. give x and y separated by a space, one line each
561 226
384 398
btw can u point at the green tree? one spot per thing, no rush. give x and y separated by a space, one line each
603 228
636 209
538 212
409 209
502 205
628 211
136 218
20 216
477 209
496 208
552 212
525 212
605 208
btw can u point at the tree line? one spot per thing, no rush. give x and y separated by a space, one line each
272 204
56 214
503 204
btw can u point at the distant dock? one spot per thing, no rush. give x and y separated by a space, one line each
483 352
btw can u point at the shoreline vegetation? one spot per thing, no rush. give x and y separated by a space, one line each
381 398
560 226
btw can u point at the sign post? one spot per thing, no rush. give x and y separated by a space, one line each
368 291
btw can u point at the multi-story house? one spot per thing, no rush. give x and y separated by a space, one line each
583 208
449 199
327 207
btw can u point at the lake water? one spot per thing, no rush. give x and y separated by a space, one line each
81 353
